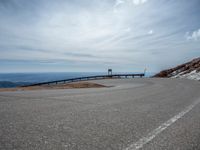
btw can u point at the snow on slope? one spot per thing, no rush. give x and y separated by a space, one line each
194 75
190 70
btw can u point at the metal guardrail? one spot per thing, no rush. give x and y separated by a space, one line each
87 78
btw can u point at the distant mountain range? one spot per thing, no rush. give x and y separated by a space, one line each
8 84
189 70
10 80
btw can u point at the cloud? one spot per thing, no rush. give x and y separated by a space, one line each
151 32
134 2
139 2
127 29
79 31
118 2
195 35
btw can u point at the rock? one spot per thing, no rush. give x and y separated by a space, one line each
186 70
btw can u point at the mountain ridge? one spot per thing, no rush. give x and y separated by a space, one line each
9 84
189 70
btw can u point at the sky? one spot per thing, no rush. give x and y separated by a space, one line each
94 35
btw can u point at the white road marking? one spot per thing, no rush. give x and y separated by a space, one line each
139 144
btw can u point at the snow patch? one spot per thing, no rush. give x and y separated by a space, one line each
193 75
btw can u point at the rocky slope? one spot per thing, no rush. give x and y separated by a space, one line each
189 70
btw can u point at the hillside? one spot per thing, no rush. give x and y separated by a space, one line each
8 84
189 70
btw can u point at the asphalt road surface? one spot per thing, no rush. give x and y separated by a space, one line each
147 114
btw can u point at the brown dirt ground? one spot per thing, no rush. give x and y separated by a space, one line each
58 86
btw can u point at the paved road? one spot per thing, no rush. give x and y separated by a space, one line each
155 114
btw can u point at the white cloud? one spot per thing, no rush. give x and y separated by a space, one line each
127 29
92 32
151 32
118 2
135 2
138 2
195 35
